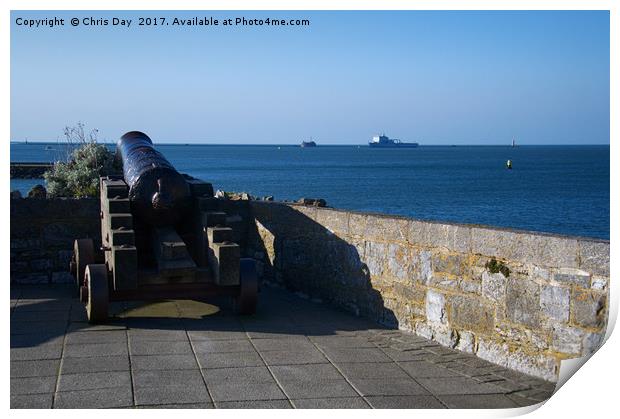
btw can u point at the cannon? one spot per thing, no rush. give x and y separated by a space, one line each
163 236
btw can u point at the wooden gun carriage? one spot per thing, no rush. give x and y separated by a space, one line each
163 236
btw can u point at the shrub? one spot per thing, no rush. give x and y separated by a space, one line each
78 177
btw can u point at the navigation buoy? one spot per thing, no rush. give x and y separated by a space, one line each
509 164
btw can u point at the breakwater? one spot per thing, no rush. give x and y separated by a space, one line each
29 170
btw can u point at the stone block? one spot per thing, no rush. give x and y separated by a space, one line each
407 293
381 227
63 257
445 336
473 287
523 302
537 249
41 265
28 278
424 271
353 255
555 302
444 282
567 339
449 263
594 256
539 274
589 308
400 261
469 313
424 330
591 342
19 267
539 365
310 212
436 307
23 243
549 250
492 351
572 276
62 277
467 342
334 220
452 237
376 255
494 286
59 234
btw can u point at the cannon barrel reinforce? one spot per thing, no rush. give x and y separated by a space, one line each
159 195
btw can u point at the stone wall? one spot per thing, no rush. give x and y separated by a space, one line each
520 299
42 234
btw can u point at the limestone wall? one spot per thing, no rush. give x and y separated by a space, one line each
445 281
42 234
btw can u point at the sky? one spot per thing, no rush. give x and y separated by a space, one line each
438 78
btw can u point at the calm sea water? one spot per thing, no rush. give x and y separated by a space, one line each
562 189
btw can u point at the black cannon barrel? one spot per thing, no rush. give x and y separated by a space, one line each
159 195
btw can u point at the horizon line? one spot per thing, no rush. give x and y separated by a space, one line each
324 145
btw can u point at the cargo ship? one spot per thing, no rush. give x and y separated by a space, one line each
308 144
382 141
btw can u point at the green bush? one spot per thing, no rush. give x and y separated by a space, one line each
496 267
78 177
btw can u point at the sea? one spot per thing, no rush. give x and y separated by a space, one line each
556 189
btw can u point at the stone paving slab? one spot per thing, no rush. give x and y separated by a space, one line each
292 354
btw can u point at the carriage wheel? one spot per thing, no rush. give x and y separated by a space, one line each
96 278
83 255
245 303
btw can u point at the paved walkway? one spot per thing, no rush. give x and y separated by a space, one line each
294 353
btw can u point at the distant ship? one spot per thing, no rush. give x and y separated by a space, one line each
382 141
308 144
514 144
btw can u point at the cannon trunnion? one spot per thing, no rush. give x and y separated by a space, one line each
163 236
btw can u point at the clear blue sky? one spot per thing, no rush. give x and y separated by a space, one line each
434 77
